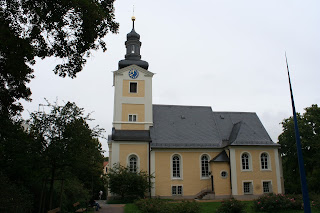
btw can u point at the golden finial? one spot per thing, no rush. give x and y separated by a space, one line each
133 18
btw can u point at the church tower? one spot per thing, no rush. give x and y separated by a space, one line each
133 88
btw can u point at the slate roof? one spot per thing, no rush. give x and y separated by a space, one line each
200 127
184 127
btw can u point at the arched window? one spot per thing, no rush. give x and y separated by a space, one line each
264 161
204 166
133 163
132 49
245 161
176 166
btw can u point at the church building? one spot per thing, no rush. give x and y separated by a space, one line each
192 151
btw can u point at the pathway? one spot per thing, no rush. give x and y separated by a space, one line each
110 208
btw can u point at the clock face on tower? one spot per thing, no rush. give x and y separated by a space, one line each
133 73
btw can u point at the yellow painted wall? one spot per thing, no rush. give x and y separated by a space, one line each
136 109
192 182
141 150
256 175
221 185
126 91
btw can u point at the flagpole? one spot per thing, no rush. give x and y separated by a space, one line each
303 180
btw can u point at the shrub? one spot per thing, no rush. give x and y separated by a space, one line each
315 200
187 207
231 206
128 184
153 205
276 202
157 205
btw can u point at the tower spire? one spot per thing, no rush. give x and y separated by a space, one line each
133 46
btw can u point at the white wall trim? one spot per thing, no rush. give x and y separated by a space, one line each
276 156
130 122
233 166
115 153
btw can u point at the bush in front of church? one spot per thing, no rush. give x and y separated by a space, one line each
126 184
156 205
231 206
277 202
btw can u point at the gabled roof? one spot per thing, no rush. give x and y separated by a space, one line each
242 128
184 127
199 127
221 157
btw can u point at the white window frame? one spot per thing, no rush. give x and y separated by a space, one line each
225 172
137 164
180 166
249 162
130 87
133 115
208 156
270 186
177 190
251 188
268 161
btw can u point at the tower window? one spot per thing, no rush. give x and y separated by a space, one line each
132 49
133 87
132 118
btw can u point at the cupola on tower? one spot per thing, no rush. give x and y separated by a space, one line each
133 88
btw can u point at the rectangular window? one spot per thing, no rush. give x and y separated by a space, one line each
132 118
176 190
133 87
179 190
247 188
266 187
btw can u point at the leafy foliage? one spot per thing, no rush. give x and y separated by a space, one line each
128 184
156 205
309 128
231 206
153 205
277 202
14 197
57 155
67 29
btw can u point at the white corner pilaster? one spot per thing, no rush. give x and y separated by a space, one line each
233 166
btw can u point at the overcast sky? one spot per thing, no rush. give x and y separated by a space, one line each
229 55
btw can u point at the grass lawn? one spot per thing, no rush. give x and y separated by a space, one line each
210 207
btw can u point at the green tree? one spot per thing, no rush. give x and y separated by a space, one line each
309 128
66 29
70 149
128 184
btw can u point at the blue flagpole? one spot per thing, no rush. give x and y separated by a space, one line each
304 187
